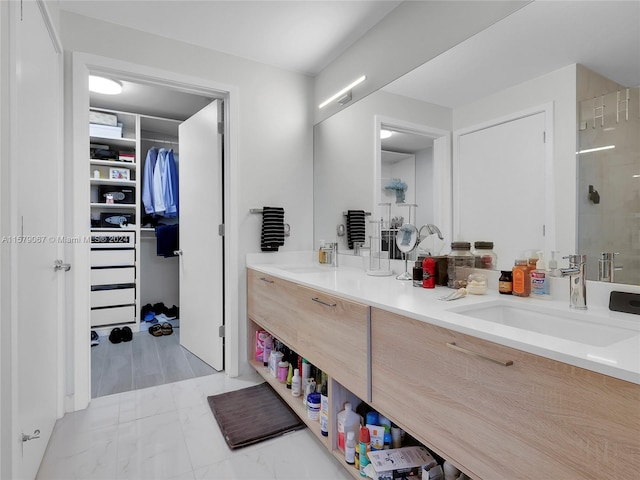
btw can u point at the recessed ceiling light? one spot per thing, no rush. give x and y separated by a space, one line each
385 134
104 85
597 149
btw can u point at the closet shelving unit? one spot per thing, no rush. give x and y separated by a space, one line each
115 269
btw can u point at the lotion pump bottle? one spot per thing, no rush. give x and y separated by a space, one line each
553 265
539 279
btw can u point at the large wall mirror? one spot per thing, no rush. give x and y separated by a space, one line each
564 59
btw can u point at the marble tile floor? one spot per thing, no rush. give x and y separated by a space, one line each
169 432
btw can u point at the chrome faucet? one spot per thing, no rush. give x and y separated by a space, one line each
577 273
607 266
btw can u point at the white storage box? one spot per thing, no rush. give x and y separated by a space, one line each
105 131
399 463
103 118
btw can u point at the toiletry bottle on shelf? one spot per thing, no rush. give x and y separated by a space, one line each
322 255
350 449
295 383
364 446
290 376
539 279
348 421
521 282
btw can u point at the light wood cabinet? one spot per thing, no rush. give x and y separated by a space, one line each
333 334
271 303
498 412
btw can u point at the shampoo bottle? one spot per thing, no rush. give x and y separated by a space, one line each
295 383
539 279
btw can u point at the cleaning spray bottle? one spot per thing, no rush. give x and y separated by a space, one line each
539 279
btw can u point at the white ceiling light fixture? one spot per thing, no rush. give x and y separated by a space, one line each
343 91
104 85
598 149
385 134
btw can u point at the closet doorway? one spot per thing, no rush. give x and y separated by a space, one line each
180 288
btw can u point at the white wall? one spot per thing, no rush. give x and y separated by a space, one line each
345 154
424 190
274 159
558 87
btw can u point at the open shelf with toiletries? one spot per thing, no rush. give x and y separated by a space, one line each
492 410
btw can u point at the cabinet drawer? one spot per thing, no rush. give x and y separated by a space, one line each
112 258
333 335
116 296
108 276
271 304
536 418
112 316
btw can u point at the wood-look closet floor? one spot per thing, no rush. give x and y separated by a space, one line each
145 361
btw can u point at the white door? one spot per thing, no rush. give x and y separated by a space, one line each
502 192
37 161
201 262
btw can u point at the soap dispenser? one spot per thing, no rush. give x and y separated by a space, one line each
553 265
539 279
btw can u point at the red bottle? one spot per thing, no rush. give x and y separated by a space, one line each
428 273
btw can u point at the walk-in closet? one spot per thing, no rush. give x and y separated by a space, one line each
135 249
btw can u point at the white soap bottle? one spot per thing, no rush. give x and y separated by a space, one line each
296 383
539 279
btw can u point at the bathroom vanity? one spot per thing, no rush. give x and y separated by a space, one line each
495 400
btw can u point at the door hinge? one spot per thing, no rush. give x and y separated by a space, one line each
221 331
220 128
544 137
221 229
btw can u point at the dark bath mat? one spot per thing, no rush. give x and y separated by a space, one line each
252 415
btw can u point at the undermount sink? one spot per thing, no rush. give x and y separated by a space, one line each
304 268
568 325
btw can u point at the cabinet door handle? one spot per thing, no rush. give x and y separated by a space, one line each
266 280
323 303
484 357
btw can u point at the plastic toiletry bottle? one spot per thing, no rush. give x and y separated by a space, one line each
539 279
290 376
324 409
350 449
364 447
553 265
295 383
322 255
428 272
505 283
348 421
521 282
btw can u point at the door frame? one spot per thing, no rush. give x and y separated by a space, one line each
441 167
77 144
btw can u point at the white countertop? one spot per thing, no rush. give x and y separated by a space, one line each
619 359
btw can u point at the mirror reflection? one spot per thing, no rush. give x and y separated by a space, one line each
467 89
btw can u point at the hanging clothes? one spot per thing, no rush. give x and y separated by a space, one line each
160 183
147 180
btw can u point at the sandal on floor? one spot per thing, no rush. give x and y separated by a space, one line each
155 330
166 328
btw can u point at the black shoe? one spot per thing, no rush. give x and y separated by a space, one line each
146 309
173 312
126 334
95 338
159 308
115 336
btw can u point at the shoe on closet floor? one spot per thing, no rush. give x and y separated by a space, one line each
126 334
172 313
166 328
156 330
115 336
95 338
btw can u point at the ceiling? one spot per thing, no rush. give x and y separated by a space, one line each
541 37
302 36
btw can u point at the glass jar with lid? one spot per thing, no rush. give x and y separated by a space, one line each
460 264
484 255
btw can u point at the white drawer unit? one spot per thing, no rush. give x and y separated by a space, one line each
112 296
101 317
110 276
113 278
